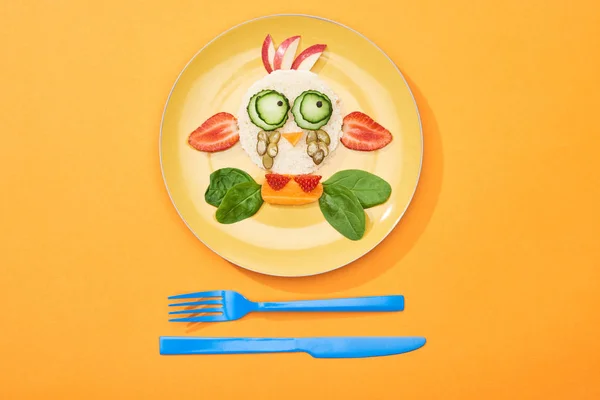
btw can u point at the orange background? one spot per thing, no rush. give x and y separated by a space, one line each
498 255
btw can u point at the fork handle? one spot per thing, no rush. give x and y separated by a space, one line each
375 303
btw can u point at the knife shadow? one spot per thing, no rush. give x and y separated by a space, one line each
400 241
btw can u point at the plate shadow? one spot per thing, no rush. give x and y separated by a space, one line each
400 241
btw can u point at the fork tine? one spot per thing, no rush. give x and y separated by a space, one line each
206 318
214 293
196 303
198 311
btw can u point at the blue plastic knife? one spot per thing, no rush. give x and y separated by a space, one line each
318 347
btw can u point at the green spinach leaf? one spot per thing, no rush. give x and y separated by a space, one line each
241 201
221 181
343 211
370 189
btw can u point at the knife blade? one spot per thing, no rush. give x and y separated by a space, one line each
318 347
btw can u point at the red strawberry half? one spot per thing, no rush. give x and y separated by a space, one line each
361 132
217 133
307 183
276 181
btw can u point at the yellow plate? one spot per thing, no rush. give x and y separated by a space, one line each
280 240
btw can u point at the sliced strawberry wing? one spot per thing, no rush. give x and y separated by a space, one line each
362 133
217 133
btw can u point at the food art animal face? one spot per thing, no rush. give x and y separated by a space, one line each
290 123
292 103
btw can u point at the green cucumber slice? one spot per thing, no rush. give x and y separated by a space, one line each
315 107
300 120
272 107
255 118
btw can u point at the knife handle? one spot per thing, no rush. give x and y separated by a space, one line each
170 345
375 303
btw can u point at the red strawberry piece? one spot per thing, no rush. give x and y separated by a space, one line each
276 181
361 132
217 133
307 183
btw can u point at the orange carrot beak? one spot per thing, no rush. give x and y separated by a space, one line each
293 137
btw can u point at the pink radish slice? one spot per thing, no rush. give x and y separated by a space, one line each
286 52
268 53
307 59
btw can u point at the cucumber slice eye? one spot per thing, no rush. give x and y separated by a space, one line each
272 107
312 110
268 110
315 108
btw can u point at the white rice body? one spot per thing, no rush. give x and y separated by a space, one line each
292 160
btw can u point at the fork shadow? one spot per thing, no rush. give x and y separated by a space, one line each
313 316
287 316
192 327
195 326
400 241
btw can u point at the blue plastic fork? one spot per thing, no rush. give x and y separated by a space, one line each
227 305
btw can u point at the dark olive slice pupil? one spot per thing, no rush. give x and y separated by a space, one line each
319 104
280 103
